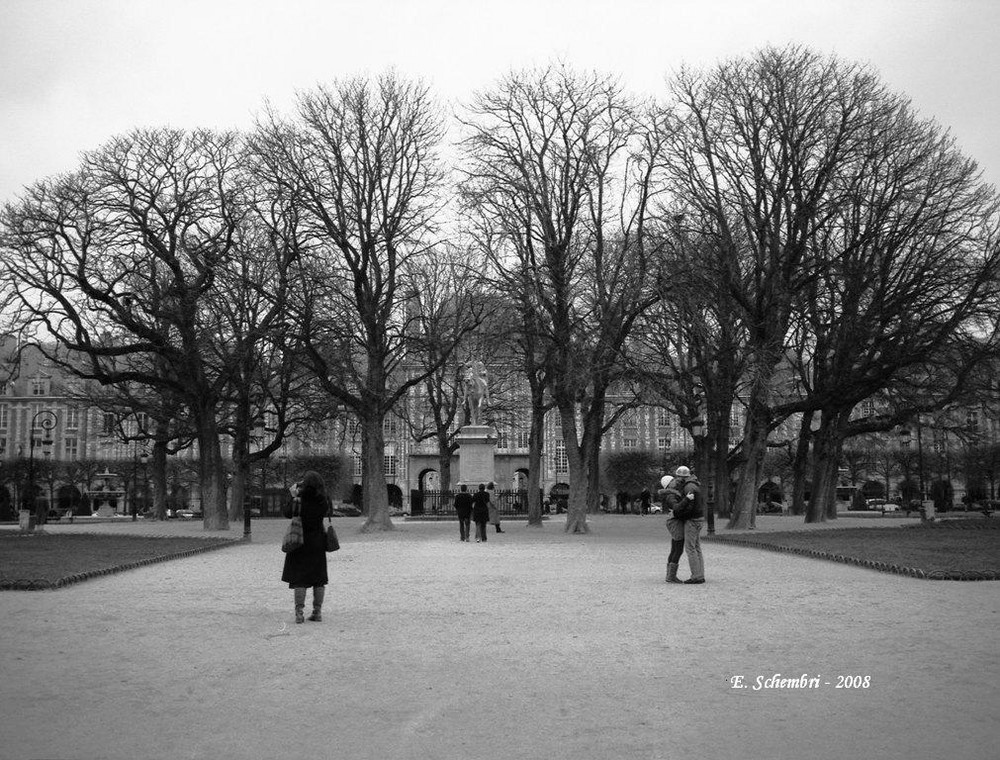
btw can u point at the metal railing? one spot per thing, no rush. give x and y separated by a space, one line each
510 502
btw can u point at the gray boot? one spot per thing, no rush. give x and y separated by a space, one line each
318 593
672 573
300 604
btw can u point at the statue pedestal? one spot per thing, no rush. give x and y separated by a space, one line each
476 447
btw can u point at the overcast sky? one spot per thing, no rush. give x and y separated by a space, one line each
75 72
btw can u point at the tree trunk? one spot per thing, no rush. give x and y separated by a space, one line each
745 502
375 496
535 437
159 476
800 466
576 514
238 490
821 477
445 452
720 464
211 474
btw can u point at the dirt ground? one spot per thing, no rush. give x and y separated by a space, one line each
536 644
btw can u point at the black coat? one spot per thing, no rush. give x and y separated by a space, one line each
463 504
481 506
306 566
689 509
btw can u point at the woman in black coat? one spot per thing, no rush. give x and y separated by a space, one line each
306 566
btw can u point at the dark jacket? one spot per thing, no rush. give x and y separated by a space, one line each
463 504
306 566
670 498
690 508
481 506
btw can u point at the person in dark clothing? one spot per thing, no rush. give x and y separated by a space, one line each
670 499
645 500
481 512
463 506
305 567
693 515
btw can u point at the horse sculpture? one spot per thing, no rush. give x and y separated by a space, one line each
476 390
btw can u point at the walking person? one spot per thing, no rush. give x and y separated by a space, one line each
693 514
494 508
670 499
463 506
305 567
480 512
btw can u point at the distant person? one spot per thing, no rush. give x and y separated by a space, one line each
645 499
305 567
480 512
693 514
463 506
670 499
494 507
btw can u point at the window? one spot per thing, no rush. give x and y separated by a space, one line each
142 422
561 460
72 449
72 418
389 427
4 415
357 465
868 408
630 419
503 438
663 444
39 386
521 441
107 424
630 443
662 417
389 461
3 446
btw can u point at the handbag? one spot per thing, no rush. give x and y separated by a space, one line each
293 535
332 543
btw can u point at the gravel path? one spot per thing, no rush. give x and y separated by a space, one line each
537 644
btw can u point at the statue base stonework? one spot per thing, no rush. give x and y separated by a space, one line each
476 448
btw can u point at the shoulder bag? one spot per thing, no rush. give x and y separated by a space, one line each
293 536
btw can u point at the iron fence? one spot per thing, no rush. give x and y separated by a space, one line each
510 502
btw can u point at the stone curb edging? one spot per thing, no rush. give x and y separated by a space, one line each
884 567
39 584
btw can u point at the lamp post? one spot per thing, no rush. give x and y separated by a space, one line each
136 459
699 431
46 420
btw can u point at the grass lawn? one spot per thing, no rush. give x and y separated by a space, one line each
970 551
45 560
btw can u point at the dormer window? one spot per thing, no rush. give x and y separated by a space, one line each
40 386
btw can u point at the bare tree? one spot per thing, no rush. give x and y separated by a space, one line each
358 163
562 169
114 263
774 148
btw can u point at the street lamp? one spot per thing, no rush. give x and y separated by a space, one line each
699 431
136 459
46 420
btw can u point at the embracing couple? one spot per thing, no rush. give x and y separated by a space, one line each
680 495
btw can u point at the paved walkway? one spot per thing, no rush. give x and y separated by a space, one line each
537 644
